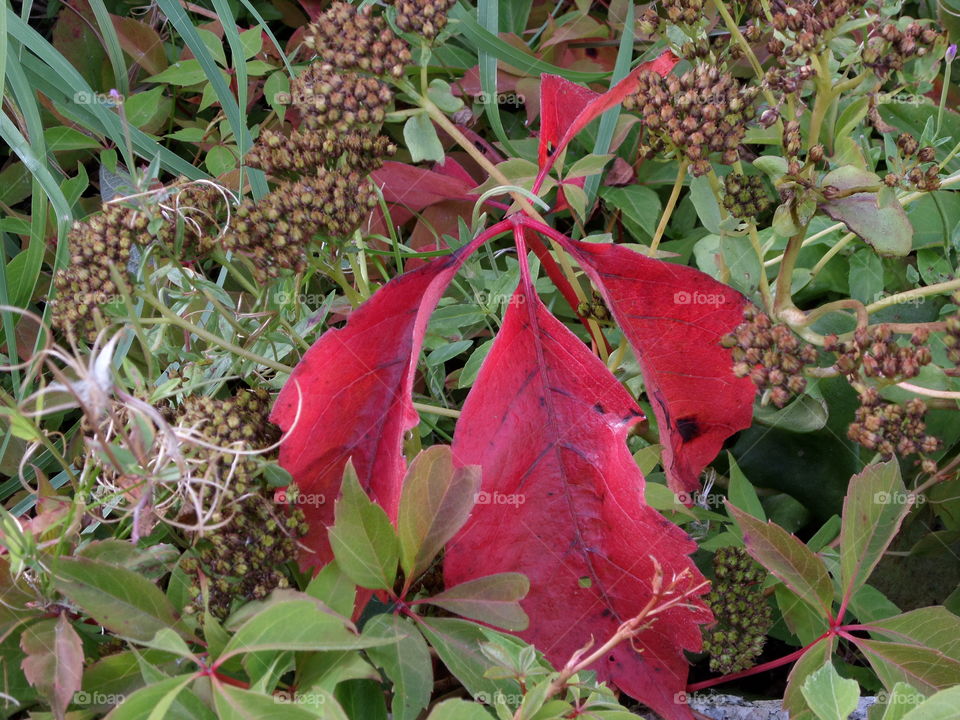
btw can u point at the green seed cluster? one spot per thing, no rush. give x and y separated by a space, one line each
874 352
595 308
745 196
97 244
701 112
242 559
303 151
891 429
348 39
423 17
889 47
274 232
743 616
771 355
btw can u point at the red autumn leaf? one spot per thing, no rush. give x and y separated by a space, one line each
567 108
673 317
354 388
416 187
562 502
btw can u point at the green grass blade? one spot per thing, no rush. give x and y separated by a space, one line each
112 45
175 13
482 39
3 52
488 13
608 121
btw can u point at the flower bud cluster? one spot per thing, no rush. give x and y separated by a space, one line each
348 39
891 429
698 113
889 47
243 559
423 17
743 616
874 352
745 196
772 355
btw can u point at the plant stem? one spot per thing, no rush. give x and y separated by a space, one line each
758 249
825 96
785 275
668 210
745 46
936 289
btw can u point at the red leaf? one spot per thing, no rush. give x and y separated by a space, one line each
673 317
567 108
416 187
356 385
563 504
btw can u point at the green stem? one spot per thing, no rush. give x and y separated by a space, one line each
906 296
825 96
783 299
735 33
668 210
764 283
829 254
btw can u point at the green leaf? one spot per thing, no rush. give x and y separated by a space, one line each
927 669
325 670
362 538
788 559
877 217
147 700
458 710
434 504
942 706
62 139
705 202
334 589
803 415
441 96
298 623
148 110
406 663
421 138
122 601
184 72
252 42
590 165
169 641
866 276
901 699
220 159
830 696
362 699
234 703
472 367
494 599
639 205
458 645
802 620
54 661
814 658
873 510
742 493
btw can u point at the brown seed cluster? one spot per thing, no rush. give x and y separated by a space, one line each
745 196
701 112
875 352
327 97
889 47
303 151
952 337
595 308
274 231
891 429
347 39
97 244
243 559
771 355
423 17
743 616
805 23
922 171
683 11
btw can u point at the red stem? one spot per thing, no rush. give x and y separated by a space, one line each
796 655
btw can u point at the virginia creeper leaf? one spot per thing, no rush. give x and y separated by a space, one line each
830 696
567 108
942 706
787 558
355 385
434 504
873 511
793 698
673 317
564 506
925 668
54 661
407 663
493 599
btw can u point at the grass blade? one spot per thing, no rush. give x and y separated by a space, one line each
489 16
